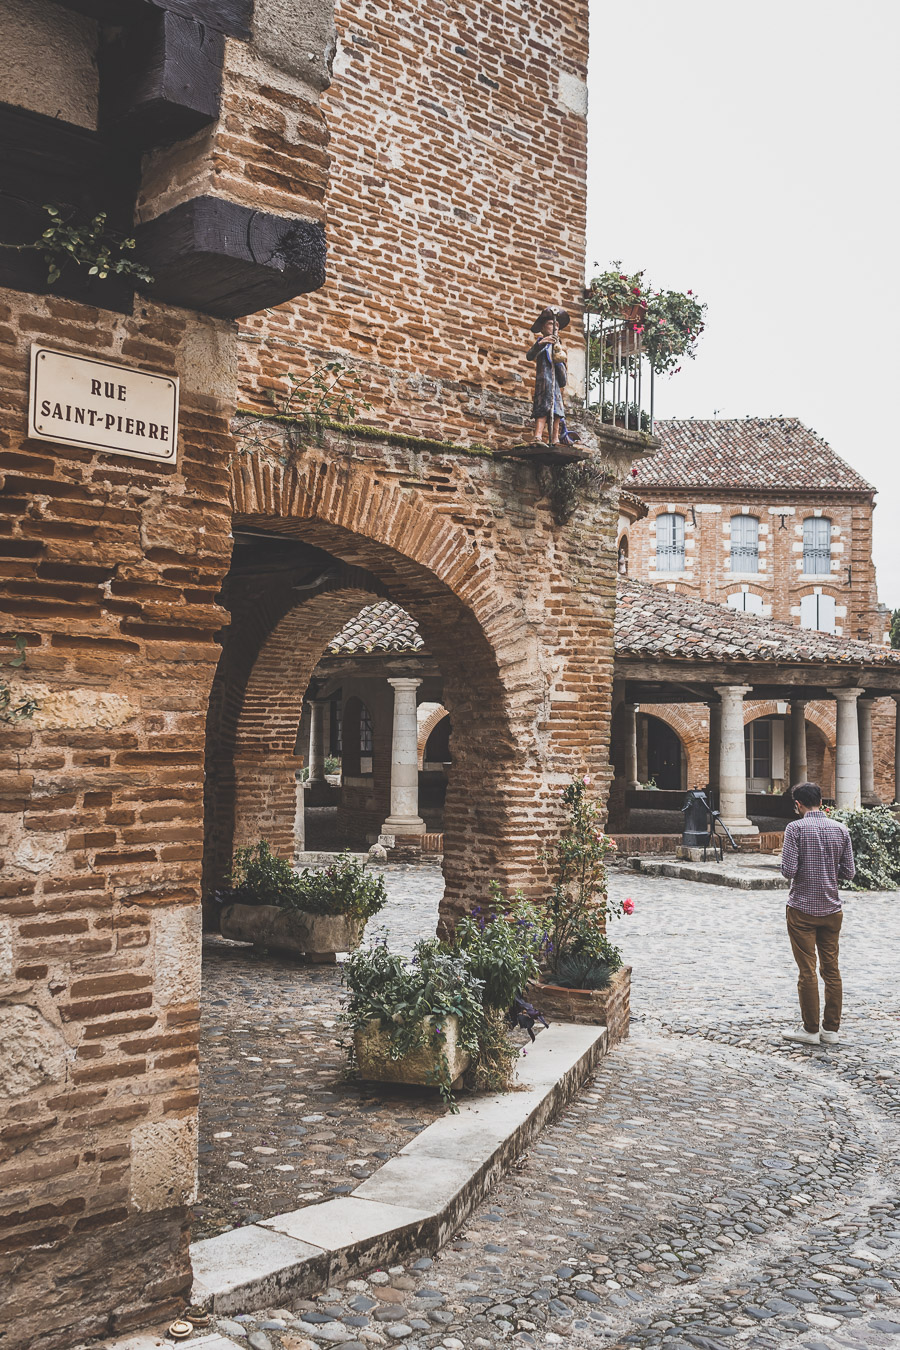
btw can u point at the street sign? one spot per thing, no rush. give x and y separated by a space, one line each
78 400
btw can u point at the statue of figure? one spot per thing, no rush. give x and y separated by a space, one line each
551 374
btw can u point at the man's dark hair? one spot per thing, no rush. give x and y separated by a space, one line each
807 794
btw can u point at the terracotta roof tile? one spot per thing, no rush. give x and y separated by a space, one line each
771 453
378 628
651 621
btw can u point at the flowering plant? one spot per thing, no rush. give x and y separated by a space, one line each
576 950
259 877
669 325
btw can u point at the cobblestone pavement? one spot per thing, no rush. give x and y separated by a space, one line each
711 1187
280 1128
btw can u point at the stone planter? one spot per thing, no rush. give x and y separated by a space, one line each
317 937
609 1007
422 1065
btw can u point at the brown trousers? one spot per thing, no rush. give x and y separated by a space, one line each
811 933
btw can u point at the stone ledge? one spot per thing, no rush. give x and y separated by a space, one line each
416 1202
711 874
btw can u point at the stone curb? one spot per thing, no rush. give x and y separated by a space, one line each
713 875
415 1202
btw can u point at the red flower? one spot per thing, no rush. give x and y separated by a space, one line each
634 473
628 906
690 292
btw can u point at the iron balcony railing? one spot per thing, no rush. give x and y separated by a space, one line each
619 380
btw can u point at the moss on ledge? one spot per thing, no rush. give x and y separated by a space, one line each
367 432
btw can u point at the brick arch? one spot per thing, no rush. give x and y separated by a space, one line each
251 759
425 728
502 796
683 719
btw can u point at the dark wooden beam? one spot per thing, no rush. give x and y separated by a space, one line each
228 260
231 17
161 80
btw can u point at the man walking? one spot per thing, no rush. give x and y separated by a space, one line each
817 853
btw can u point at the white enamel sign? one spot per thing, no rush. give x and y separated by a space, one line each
77 400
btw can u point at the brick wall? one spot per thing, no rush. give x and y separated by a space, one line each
520 630
780 582
455 137
110 570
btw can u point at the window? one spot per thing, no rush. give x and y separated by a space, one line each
744 544
816 546
747 601
670 543
764 753
818 611
356 739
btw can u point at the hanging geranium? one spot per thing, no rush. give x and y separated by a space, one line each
669 323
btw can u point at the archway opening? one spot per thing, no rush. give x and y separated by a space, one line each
665 756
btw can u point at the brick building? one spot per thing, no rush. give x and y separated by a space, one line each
175 608
761 515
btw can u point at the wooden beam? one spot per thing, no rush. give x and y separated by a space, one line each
228 260
161 80
231 17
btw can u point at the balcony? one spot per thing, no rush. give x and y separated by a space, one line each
619 385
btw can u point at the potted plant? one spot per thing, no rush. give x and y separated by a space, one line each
313 914
582 978
663 326
413 1021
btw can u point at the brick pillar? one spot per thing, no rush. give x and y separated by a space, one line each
897 749
847 788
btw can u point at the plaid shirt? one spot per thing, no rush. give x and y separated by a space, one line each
817 851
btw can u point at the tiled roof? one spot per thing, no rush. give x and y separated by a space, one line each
769 453
378 628
651 621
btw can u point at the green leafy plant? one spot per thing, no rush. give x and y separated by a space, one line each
629 416
413 999
329 393
667 324
332 765
69 242
875 836
500 947
346 887
578 907
895 629
258 877
15 708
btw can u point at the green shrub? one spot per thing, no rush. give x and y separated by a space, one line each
344 888
258 877
501 950
875 836
436 983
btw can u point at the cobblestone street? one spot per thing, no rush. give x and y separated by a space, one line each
711 1187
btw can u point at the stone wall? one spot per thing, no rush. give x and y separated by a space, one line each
456 137
111 569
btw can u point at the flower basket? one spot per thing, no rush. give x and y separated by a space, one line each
609 1007
317 937
630 313
422 1065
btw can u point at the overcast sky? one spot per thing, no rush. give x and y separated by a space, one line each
750 152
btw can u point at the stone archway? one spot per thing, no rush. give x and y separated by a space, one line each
507 614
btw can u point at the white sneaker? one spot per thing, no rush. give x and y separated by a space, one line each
802 1036
829 1037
